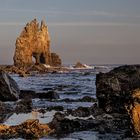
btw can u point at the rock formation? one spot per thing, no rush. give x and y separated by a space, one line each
9 90
118 91
79 65
114 89
30 129
34 42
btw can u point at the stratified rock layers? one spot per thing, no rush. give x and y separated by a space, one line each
34 42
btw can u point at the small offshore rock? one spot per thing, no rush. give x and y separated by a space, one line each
27 94
50 95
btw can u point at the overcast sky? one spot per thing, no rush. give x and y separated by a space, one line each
90 31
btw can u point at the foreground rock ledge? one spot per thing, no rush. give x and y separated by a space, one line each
118 91
29 129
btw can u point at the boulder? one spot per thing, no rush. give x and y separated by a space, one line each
50 95
114 89
9 90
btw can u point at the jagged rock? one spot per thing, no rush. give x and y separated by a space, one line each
9 90
133 109
119 91
79 65
30 129
114 89
34 41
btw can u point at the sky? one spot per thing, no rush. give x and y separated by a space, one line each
89 31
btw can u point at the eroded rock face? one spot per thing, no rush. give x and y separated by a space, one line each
118 91
9 90
134 111
34 42
115 88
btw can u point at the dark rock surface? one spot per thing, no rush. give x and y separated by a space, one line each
103 123
9 90
24 106
114 89
50 95
5 111
119 91
84 99
27 93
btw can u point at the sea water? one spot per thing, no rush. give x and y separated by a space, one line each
72 84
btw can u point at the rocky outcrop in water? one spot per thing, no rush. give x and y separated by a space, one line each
118 91
30 129
9 90
34 42
79 65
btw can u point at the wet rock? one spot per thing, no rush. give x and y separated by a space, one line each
5 111
56 108
85 111
9 90
79 65
119 91
50 95
30 129
63 125
84 99
27 94
114 89
24 106
80 112
88 99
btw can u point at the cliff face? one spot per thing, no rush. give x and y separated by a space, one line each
34 41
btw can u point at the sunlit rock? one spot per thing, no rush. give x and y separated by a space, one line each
33 44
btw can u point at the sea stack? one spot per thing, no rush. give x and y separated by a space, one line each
34 43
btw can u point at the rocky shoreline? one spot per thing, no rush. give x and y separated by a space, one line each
116 110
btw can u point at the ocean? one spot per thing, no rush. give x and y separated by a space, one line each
73 84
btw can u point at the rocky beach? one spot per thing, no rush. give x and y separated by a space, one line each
76 104
40 98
